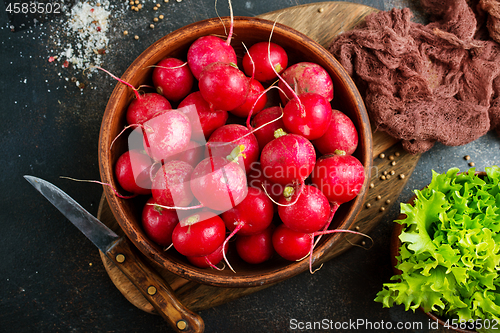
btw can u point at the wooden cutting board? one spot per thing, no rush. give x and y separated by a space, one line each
322 22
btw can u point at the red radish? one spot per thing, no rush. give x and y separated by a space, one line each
145 107
171 184
257 248
341 135
218 183
306 77
199 234
209 118
291 245
261 58
288 159
166 134
192 154
256 100
236 135
252 215
271 117
256 178
173 79
209 49
339 177
308 115
132 171
309 213
223 86
158 223
209 260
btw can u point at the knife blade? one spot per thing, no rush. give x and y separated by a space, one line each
121 251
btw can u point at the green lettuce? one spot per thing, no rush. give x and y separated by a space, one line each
449 257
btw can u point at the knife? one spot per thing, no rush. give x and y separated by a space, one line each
120 251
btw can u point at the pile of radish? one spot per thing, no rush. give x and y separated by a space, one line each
223 162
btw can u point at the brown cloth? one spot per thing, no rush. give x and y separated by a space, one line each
426 83
492 7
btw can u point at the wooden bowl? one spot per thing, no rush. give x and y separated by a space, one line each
394 252
248 30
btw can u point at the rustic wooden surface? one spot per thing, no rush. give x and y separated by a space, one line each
332 18
321 21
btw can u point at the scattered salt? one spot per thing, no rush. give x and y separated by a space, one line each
89 24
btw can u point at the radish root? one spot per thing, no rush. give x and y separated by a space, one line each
238 227
101 183
230 34
168 247
214 266
175 67
274 69
333 210
301 189
175 207
136 91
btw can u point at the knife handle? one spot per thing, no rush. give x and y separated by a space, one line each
152 286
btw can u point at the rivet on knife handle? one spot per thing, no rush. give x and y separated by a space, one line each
153 287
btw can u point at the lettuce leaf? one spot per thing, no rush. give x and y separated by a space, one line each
450 248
